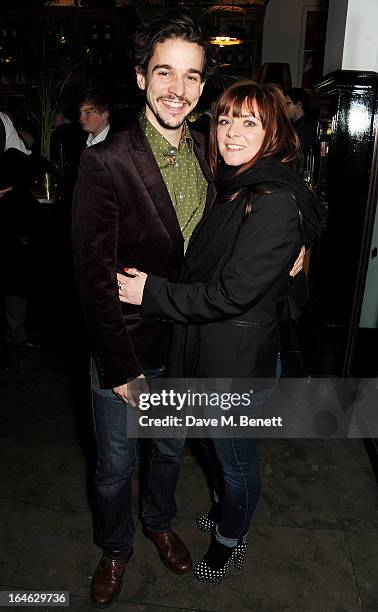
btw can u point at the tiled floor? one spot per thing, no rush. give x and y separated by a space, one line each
313 544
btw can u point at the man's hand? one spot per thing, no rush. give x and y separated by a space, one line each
298 264
129 392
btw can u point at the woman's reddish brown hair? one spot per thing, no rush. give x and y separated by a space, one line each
280 141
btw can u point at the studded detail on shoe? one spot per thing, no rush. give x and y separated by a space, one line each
204 573
205 523
239 557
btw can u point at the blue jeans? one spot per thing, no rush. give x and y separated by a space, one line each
235 478
116 453
161 476
240 487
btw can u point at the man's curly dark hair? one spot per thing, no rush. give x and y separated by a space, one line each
178 24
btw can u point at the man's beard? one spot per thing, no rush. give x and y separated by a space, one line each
163 121
168 126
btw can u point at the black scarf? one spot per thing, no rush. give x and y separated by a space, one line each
214 237
267 174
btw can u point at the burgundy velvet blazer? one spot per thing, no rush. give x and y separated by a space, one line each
123 216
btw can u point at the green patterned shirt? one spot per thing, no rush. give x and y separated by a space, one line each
182 175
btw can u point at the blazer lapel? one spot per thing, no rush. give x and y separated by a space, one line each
150 174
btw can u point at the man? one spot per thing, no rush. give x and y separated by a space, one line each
16 211
298 104
138 198
5 363
95 110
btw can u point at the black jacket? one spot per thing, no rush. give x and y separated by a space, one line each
234 276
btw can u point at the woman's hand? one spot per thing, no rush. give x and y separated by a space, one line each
130 288
298 264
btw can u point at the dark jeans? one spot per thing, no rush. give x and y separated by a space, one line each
233 470
241 487
116 453
163 469
235 476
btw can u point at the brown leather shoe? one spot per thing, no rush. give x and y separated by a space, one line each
107 581
172 550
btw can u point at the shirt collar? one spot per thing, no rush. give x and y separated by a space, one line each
153 134
92 140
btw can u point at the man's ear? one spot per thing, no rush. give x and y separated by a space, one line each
141 78
201 87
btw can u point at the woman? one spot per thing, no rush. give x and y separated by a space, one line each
234 279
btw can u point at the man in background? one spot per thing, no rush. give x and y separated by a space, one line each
298 105
16 215
95 111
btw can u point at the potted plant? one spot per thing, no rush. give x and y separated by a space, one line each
48 65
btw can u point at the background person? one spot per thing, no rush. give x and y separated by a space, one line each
18 230
298 104
95 111
17 208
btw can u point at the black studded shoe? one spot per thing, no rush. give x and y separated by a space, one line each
205 523
217 561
